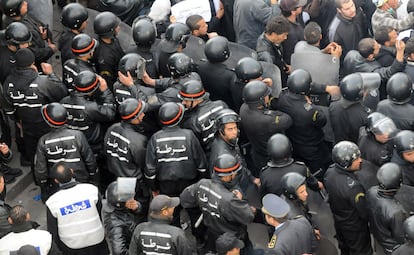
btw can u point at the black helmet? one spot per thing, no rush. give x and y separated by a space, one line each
225 116
192 90
374 118
144 32
299 82
279 148
352 88
404 141
344 153
217 49
409 228
179 64
17 33
171 113
290 182
11 7
176 34
73 15
399 88
255 91
54 114
389 177
83 44
112 195
105 24
86 82
131 108
133 63
248 68
226 164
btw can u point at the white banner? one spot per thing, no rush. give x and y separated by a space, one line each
187 8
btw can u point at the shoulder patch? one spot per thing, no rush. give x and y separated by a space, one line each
277 119
350 181
358 196
272 242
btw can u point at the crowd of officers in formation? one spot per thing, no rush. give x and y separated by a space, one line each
199 136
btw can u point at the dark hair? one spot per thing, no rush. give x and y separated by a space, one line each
277 25
409 47
287 13
366 47
382 34
339 3
18 214
312 33
62 173
192 21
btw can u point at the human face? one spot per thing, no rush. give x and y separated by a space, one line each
1 184
392 37
228 178
23 8
139 119
302 193
408 156
278 38
230 132
394 4
381 138
203 27
356 164
348 10
187 103
377 47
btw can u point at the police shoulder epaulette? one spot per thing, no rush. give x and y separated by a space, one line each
272 242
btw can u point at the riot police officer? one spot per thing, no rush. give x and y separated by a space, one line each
386 214
347 200
398 106
259 123
175 40
407 248
125 148
223 208
89 110
217 77
404 155
41 44
201 112
83 47
174 158
375 139
349 114
25 92
281 162
120 217
306 132
144 34
226 141
62 144
73 17
109 51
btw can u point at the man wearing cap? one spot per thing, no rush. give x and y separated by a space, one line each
73 215
290 236
222 205
156 236
228 244
200 112
292 10
386 15
25 92
62 144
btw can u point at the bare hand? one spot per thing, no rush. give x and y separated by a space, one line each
317 234
336 51
155 193
333 90
43 32
147 79
46 68
400 45
238 194
308 100
320 185
220 11
173 19
102 84
126 79
4 149
268 82
212 35
52 46
288 69
132 204
257 182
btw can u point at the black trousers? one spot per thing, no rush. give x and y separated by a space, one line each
354 242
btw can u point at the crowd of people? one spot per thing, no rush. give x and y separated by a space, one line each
158 147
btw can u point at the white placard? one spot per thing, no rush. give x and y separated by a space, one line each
187 8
